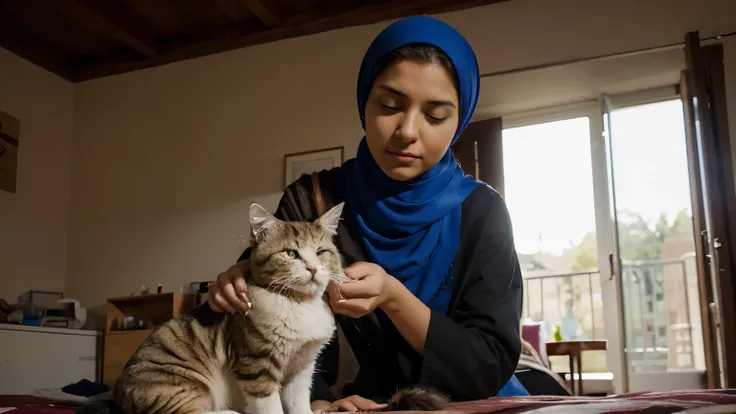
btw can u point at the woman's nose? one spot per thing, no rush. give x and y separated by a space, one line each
408 128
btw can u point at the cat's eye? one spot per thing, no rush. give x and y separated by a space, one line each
323 251
293 254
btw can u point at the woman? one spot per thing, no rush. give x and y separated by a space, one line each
436 293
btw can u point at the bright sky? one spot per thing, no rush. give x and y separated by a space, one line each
548 174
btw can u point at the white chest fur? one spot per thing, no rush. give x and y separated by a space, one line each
301 328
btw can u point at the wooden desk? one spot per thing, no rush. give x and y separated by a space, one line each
574 350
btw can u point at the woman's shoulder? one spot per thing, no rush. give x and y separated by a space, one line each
322 181
484 215
312 192
483 201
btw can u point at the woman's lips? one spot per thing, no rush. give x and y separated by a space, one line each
403 157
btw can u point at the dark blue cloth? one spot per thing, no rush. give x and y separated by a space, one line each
513 388
85 388
412 228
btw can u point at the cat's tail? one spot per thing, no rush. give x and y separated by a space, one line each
417 398
100 407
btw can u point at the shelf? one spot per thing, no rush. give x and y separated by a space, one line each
152 297
131 332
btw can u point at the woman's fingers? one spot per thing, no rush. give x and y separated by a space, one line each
237 275
354 308
364 404
333 291
359 270
220 302
366 288
353 403
343 405
211 298
228 293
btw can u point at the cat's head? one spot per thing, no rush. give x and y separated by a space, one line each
294 258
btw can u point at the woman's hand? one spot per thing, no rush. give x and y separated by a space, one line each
350 404
370 288
229 292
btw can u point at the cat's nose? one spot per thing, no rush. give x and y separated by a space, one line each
312 270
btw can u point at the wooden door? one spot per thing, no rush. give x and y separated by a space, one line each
714 203
479 150
466 154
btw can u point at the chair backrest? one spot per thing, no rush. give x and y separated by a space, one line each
535 334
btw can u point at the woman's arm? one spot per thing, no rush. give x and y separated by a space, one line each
474 351
409 314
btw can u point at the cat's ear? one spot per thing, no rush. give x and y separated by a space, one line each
260 219
331 219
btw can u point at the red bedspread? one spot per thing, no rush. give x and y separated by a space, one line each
32 405
681 402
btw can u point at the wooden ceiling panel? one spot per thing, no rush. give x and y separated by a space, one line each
57 27
208 15
164 16
235 9
87 39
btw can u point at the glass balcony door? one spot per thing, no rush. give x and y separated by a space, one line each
653 219
603 228
557 195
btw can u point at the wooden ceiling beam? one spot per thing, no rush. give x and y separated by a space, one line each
236 11
117 21
265 10
244 35
18 41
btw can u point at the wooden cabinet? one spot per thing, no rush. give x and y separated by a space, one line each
145 312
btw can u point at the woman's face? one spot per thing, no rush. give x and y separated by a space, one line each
410 118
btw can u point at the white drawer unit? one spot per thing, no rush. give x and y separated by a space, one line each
33 358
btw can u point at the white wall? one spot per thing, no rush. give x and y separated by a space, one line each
34 221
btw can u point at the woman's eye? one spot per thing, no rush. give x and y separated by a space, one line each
292 254
390 108
435 119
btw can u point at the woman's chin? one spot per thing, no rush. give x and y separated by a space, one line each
402 173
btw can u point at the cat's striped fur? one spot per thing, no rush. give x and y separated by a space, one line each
261 362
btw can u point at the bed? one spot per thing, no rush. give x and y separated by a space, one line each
681 402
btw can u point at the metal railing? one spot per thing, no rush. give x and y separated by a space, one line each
551 297
661 310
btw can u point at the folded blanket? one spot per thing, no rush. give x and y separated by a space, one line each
529 359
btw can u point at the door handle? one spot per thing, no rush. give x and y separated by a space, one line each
715 314
610 265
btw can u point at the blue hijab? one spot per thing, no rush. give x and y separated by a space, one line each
412 228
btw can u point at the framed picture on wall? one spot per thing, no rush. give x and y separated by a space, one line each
9 136
300 163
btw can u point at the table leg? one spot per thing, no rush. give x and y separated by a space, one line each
579 363
571 359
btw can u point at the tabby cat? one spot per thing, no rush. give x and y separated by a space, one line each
260 362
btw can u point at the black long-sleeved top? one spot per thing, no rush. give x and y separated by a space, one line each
471 351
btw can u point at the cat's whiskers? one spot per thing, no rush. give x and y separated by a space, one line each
339 278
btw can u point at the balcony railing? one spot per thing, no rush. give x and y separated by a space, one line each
661 311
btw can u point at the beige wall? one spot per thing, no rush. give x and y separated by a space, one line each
165 159
729 52
34 221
